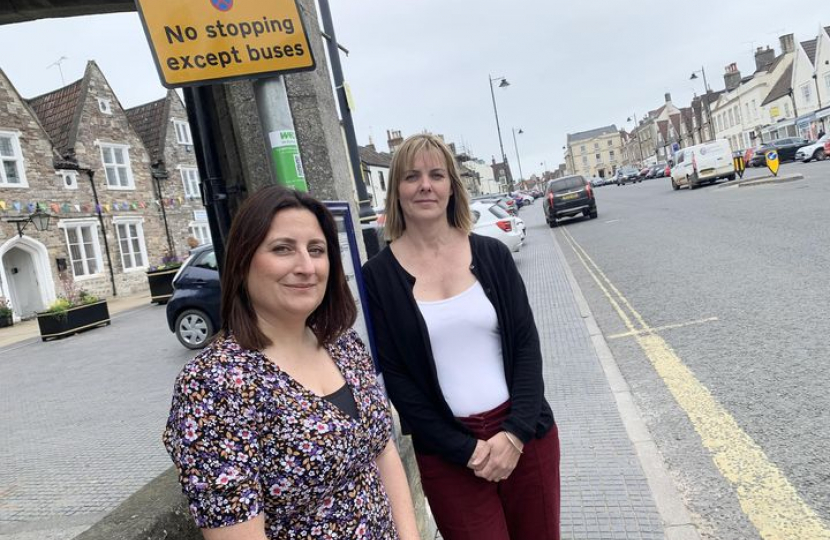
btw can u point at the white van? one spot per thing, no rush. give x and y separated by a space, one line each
702 163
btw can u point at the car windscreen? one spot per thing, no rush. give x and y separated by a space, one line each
567 184
499 212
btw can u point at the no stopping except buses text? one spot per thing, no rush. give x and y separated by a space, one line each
246 30
233 55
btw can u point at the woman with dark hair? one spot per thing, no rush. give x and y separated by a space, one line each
460 355
279 428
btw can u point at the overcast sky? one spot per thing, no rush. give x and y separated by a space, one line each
416 65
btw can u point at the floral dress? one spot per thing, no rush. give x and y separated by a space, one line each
247 439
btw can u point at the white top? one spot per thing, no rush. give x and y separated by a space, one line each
466 345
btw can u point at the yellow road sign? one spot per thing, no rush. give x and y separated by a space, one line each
772 161
207 41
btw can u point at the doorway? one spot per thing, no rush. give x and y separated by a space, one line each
26 277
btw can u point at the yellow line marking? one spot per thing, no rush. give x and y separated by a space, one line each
661 328
766 496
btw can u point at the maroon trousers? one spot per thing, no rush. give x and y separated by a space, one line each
523 507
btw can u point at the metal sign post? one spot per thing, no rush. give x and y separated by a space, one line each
350 254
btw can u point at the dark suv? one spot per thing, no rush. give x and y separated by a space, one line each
193 310
569 196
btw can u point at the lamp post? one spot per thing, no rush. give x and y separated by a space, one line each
705 100
637 135
38 218
502 84
518 159
567 152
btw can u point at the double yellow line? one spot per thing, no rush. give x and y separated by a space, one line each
766 496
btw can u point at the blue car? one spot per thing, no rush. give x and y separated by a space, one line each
193 310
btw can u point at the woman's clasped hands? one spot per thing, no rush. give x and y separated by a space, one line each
494 459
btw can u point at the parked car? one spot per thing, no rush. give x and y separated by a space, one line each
786 149
813 151
627 175
567 197
193 310
702 163
643 172
656 171
490 219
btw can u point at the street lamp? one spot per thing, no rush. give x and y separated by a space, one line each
502 84
705 99
39 218
518 159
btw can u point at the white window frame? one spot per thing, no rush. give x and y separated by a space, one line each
72 175
183 133
17 158
113 147
96 247
130 257
105 105
200 230
190 182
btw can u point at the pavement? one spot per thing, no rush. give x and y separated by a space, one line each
614 483
26 331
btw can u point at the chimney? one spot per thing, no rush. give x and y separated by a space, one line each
763 58
668 97
787 43
394 139
732 77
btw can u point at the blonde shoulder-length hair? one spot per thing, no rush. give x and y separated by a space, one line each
458 208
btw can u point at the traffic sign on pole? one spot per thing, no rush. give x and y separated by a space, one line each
207 41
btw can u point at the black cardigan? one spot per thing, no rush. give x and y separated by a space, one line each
405 353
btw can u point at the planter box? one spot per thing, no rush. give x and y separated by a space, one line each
161 285
76 319
6 320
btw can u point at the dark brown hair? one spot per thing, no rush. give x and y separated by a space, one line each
335 314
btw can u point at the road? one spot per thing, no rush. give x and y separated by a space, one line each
725 294
81 422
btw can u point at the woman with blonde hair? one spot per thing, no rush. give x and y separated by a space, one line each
460 354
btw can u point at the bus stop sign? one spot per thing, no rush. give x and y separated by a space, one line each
208 41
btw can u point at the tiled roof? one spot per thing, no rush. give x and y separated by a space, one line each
370 156
149 121
591 134
57 112
781 87
810 49
675 122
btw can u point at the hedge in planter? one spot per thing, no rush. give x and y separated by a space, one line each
161 284
6 313
74 319
74 311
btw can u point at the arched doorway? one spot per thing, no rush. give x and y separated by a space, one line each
26 276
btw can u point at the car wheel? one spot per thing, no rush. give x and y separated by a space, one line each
552 223
593 214
193 328
819 155
690 182
674 185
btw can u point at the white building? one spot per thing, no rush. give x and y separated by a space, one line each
489 185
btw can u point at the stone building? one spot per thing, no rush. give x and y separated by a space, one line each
162 126
74 154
